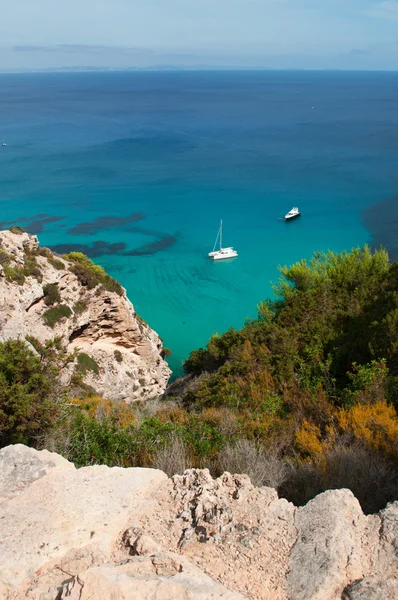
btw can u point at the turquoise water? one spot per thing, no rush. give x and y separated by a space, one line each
176 152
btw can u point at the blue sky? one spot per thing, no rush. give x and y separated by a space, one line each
243 33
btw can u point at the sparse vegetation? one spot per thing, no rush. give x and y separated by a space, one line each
91 275
56 263
51 294
28 392
17 229
172 457
46 252
31 267
263 468
80 307
86 363
56 314
141 320
17 273
118 356
4 257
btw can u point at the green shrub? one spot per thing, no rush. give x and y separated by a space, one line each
54 262
86 363
165 352
91 275
4 257
56 314
57 264
17 229
51 294
18 274
27 385
32 269
45 252
118 356
91 441
15 274
80 307
330 313
141 320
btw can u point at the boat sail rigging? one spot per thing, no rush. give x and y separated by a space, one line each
222 253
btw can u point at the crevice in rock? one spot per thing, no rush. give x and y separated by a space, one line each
78 332
34 303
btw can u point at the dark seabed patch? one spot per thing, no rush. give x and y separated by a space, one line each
101 248
39 225
381 220
96 249
105 222
33 225
4 224
165 242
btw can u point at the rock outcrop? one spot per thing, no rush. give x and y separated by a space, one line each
126 353
134 534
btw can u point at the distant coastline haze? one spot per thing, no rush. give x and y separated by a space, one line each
220 34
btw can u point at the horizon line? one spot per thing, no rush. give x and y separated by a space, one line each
178 68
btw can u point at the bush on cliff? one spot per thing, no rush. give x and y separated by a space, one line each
87 363
51 294
18 273
92 275
53 315
27 387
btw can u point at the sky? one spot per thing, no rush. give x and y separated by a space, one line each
297 34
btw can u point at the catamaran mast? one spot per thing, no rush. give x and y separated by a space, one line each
221 235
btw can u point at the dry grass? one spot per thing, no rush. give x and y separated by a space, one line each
263 468
172 459
370 477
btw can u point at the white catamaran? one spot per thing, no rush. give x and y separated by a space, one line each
222 253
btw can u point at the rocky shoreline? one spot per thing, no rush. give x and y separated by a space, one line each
125 356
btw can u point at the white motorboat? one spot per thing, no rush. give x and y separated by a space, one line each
222 253
4 144
292 214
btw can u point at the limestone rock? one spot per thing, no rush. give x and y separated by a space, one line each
164 577
372 589
328 550
134 534
20 466
100 323
264 547
238 534
144 545
67 510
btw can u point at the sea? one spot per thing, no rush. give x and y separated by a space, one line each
137 169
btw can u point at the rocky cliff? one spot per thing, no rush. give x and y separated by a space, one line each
133 534
43 296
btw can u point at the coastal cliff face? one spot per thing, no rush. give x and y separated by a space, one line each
44 296
119 534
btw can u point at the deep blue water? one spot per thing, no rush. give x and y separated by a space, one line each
176 152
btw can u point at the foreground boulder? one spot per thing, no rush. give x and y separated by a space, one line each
45 297
121 534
